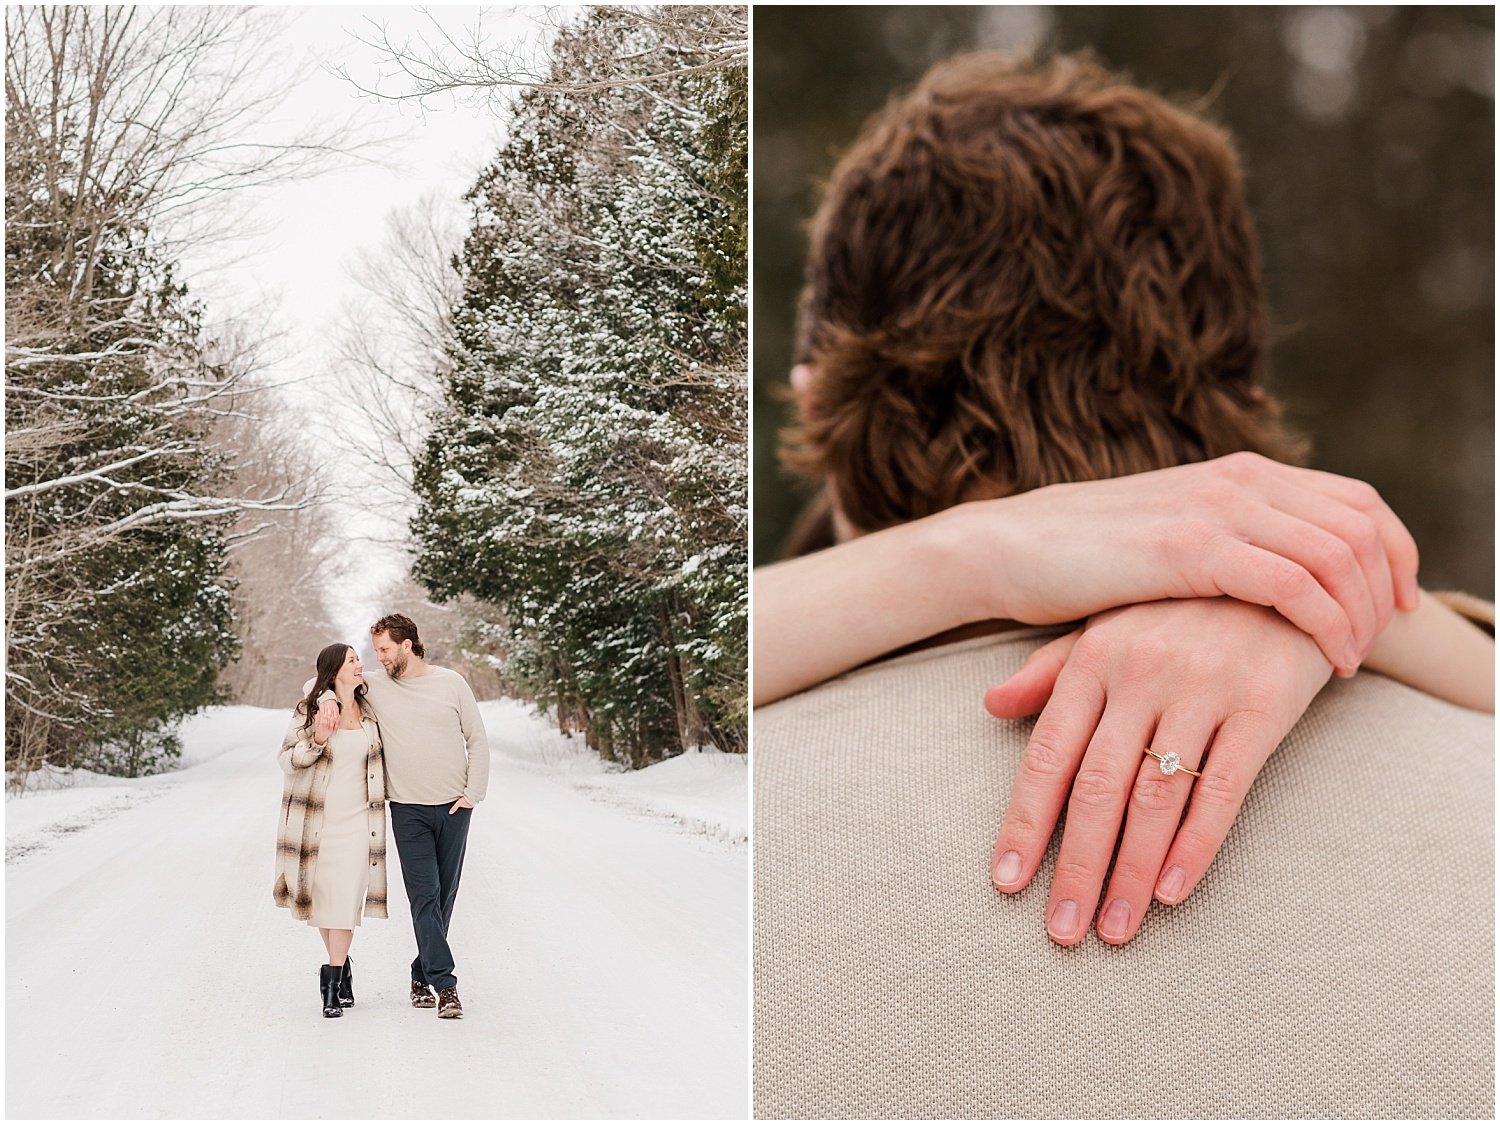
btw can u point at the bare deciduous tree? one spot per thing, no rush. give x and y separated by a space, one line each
681 42
278 560
141 116
393 345
125 127
128 129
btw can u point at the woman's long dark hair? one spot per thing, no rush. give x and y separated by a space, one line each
330 660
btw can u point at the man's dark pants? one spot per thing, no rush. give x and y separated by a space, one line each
430 841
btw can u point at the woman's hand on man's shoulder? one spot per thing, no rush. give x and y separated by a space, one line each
1210 685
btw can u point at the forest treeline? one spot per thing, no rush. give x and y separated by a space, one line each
122 498
578 468
586 472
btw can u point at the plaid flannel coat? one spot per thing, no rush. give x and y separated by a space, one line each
306 770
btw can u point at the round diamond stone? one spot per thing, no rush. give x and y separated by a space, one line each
1169 762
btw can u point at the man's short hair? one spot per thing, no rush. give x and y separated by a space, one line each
1027 272
401 628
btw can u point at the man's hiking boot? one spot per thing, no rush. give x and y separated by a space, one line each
421 995
448 1006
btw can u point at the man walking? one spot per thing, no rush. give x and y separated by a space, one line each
437 765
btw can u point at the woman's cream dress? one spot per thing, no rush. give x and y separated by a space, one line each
342 871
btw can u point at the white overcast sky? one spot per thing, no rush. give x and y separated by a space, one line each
295 242
304 234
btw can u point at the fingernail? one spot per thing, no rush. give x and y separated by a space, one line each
1171 885
1116 920
1413 593
1351 657
1008 870
1063 925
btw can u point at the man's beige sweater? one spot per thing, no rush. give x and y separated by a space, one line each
1337 961
435 746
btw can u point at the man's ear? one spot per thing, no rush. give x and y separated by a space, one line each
801 380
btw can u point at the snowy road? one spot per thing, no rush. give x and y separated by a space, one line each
602 953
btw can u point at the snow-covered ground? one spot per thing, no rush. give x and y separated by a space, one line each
600 933
703 792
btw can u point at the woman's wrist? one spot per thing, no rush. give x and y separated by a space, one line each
1435 650
928 575
971 552
822 614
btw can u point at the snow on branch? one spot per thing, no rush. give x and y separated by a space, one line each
680 41
100 474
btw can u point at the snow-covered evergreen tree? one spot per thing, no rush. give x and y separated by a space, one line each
586 471
117 611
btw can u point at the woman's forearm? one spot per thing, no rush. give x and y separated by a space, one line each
823 614
1437 651
1061 553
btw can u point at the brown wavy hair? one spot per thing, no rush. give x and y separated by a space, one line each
401 628
1026 272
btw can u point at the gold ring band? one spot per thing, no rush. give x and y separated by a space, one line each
1171 762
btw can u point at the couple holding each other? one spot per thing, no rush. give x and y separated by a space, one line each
412 737
1029 379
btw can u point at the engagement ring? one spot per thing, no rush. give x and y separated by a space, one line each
1171 762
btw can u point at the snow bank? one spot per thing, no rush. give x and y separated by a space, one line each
706 792
58 803
215 730
518 734
205 735
37 819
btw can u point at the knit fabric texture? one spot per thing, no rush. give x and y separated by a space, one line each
1337 961
436 749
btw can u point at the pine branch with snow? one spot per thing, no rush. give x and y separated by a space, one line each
586 469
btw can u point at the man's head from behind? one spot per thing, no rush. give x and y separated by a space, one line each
1025 273
395 640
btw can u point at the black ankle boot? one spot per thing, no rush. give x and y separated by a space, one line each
346 984
328 984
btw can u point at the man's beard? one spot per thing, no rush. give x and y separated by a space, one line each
397 668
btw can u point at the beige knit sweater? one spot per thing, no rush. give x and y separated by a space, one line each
1337 960
436 748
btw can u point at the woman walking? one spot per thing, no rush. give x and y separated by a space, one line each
330 860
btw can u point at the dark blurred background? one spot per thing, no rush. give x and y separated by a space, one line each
1368 142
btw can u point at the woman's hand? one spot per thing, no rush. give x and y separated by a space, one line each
326 722
1324 551
1215 681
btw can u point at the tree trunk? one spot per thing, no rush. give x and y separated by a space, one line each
690 732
